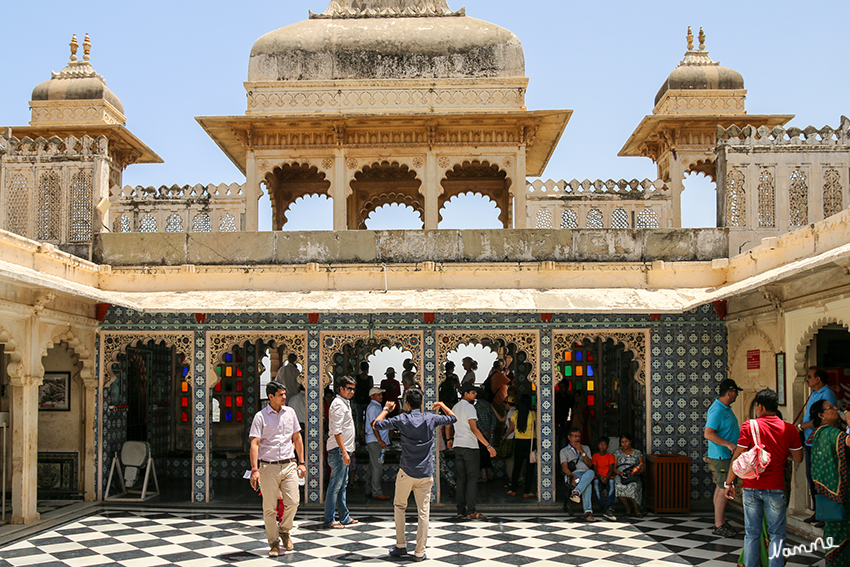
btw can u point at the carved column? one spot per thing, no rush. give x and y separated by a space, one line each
24 448
677 185
338 192
252 193
432 192
90 455
520 190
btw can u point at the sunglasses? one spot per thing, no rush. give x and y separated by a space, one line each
349 388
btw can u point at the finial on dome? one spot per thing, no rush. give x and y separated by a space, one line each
74 45
701 40
86 48
690 37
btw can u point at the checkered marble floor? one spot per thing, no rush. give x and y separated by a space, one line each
149 538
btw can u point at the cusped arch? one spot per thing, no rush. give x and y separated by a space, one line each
73 341
115 343
220 343
382 183
633 341
333 342
525 341
444 203
706 167
288 182
800 362
479 177
15 369
739 344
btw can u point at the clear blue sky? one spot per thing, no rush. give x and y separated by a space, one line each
171 61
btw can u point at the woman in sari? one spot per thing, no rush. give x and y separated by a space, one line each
829 472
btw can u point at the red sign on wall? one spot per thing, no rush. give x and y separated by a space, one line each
753 359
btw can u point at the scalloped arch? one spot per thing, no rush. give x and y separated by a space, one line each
526 341
73 341
115 343
222 342
800 364
751 332
479 177
470 193
634 341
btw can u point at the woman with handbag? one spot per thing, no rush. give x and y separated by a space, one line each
629 469
523 423
829 472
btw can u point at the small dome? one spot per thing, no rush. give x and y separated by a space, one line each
77 81
698 72
326 48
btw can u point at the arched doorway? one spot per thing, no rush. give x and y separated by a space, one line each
379 184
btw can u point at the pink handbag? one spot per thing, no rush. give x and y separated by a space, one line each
752 462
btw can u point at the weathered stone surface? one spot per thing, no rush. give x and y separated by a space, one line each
413 246
230 248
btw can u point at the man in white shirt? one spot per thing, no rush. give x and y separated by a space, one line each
465 444
340 446
577 465
298 402
288 373
277 461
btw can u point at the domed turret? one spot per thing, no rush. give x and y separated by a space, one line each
695 75
409 43
76 95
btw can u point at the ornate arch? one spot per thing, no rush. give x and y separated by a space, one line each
526 341
751 332
391 198
381 183
446 202
220 342
800 363
113 343
635 341
331 342
83 354
288 182
479 177
707 167
15 368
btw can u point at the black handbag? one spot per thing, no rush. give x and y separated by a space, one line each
628 477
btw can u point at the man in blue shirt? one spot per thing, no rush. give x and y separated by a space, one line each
817 379
722 433
375 442
416 468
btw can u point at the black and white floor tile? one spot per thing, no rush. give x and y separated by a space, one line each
150 538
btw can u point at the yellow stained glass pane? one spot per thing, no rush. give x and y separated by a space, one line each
590 385
229 371
579 370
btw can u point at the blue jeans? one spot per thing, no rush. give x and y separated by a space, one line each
335 496
583 488
608 502
770 505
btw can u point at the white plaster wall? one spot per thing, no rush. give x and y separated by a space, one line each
60 430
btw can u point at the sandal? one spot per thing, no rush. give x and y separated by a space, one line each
334 526
351 523
476 516
460 517
589 517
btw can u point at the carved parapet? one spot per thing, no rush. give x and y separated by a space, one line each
54 147
778 137
189 193
598 188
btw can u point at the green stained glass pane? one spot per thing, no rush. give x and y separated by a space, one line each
568 371
579 385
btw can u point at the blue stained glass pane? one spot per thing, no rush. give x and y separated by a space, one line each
228 357
578 356
228 416
185 371
590 371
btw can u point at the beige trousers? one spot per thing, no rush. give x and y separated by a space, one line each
279 481
421 488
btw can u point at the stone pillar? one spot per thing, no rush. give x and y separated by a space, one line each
548 461
252 193
89 453
201 401
520 191
25 448
431 187
338 192
677 185
429 384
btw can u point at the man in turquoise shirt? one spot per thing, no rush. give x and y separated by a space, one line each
722 432
817 379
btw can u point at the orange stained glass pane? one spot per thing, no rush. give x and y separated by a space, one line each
229 371
184 387
579 370
568 356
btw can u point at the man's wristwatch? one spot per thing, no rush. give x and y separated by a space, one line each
727 485
583 454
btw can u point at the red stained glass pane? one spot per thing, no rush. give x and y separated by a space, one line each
592 413
184 402
184 416
238 401
589 357
239 386
218 387
238 372
238 359
591 399
238 416
228 401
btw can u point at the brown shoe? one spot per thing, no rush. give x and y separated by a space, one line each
382 497
274 549
286 541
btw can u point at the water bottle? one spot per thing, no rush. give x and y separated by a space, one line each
382 456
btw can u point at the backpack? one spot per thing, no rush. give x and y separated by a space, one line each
752 462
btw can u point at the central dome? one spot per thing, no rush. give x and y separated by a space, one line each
386 39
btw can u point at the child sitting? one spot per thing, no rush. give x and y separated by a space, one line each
603 466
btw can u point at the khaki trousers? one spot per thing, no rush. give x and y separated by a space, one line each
421 488
279 481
